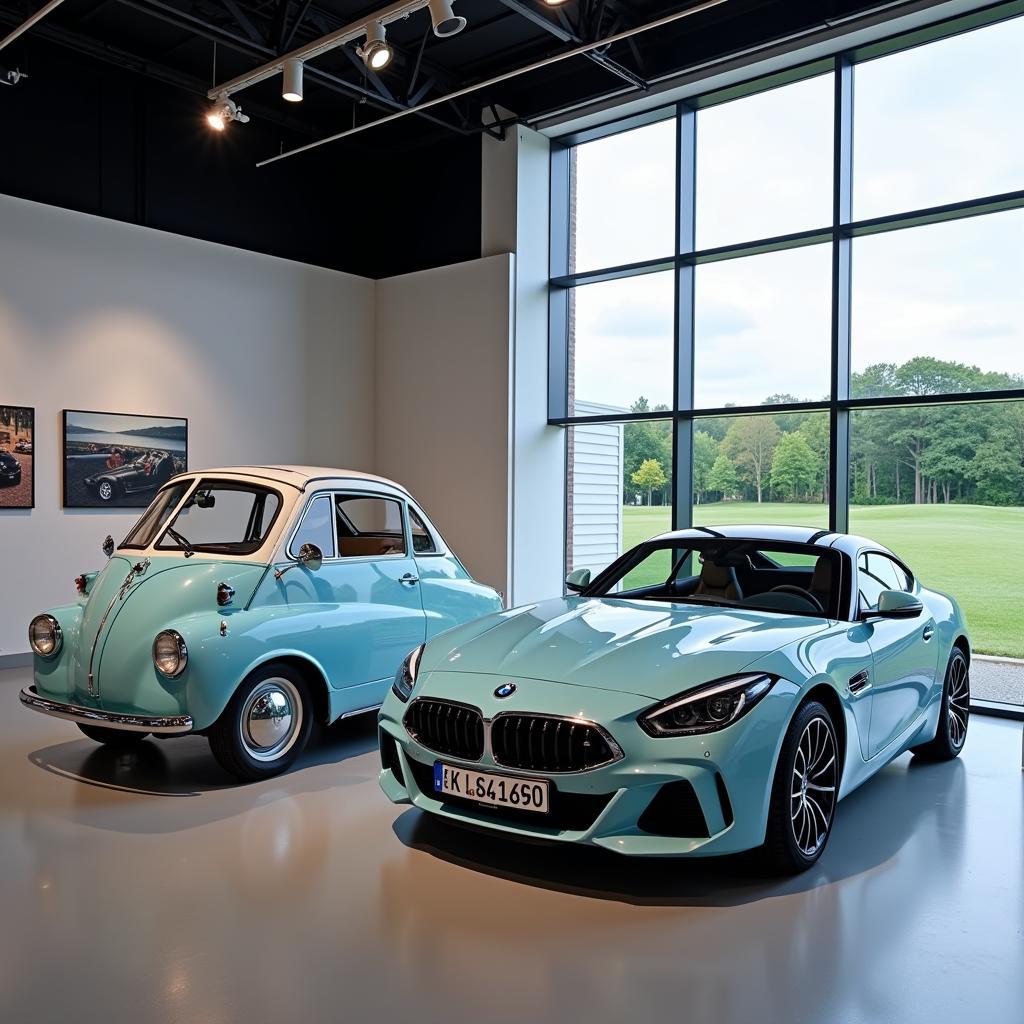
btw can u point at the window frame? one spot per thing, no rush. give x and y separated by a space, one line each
334 494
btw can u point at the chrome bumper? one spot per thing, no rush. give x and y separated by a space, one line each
163 725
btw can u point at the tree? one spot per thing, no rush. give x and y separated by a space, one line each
723 477
750 443
794 467
649 476
815 430
705 451
640 442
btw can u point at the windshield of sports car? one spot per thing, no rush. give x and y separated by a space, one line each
221 517
791 579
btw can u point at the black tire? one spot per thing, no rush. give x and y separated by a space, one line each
804 792
954 716
256 706
112 737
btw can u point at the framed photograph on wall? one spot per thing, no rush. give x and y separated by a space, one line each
17 470
120 460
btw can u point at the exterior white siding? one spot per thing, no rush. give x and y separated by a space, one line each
597 491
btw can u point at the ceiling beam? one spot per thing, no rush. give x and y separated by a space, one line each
567 35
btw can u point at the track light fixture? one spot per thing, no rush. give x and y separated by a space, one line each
376 52
11 76
446 22
223 112
556 3
291 87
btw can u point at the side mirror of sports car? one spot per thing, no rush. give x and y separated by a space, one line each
896 604
578 580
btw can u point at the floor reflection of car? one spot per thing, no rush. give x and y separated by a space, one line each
10 469
149 473
23 447
271 597
714 690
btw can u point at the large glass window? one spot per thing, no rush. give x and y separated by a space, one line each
761 469
762 328
939 123
838 341
623 198
621 343
943 487
939 309
764 164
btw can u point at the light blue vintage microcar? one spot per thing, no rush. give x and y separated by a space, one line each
246 603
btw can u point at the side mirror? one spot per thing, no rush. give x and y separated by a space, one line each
897 604
309 555
578 580
108 546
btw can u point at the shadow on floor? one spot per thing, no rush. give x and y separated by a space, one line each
907 799
184 766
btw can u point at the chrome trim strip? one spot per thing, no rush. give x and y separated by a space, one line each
360 711
164 725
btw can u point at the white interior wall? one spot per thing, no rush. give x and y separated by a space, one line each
270 360
442 402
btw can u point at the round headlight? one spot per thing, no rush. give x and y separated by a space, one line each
170 655
44 635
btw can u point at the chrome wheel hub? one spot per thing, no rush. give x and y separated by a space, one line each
271 719
958 707
106 490
813 796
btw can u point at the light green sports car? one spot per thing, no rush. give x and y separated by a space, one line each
712 691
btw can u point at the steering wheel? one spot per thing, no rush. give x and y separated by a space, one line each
789 588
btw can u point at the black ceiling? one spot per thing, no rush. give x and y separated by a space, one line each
110 118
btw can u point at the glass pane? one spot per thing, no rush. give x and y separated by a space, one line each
943 487
763 328
939 309
619 490
369 527
764 164
620 345
940 123
623 198
317 527
761 469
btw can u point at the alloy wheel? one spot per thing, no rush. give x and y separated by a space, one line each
958 704
813 794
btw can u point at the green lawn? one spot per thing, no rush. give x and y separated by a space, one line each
974 552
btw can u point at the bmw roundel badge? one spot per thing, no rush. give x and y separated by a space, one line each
505 690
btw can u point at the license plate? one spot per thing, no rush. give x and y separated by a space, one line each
496 790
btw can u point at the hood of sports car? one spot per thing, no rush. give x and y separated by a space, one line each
649 648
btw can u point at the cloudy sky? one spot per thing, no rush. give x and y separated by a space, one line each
933 125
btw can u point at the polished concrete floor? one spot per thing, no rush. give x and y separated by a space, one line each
148 888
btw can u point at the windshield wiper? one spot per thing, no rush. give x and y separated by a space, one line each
181 541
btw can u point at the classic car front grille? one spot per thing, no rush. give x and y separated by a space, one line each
541 743
568 812
446 727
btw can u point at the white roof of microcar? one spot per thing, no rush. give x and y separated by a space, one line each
296 476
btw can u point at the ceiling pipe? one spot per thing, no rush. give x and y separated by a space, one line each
346 34
26 25
497 79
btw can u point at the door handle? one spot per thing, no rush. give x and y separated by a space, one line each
409 579
927 633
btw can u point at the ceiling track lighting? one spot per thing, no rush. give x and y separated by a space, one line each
291 85
223 112
375 52
445 21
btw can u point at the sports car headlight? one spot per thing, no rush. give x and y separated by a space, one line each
44 635
405 677
170 655
708 708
